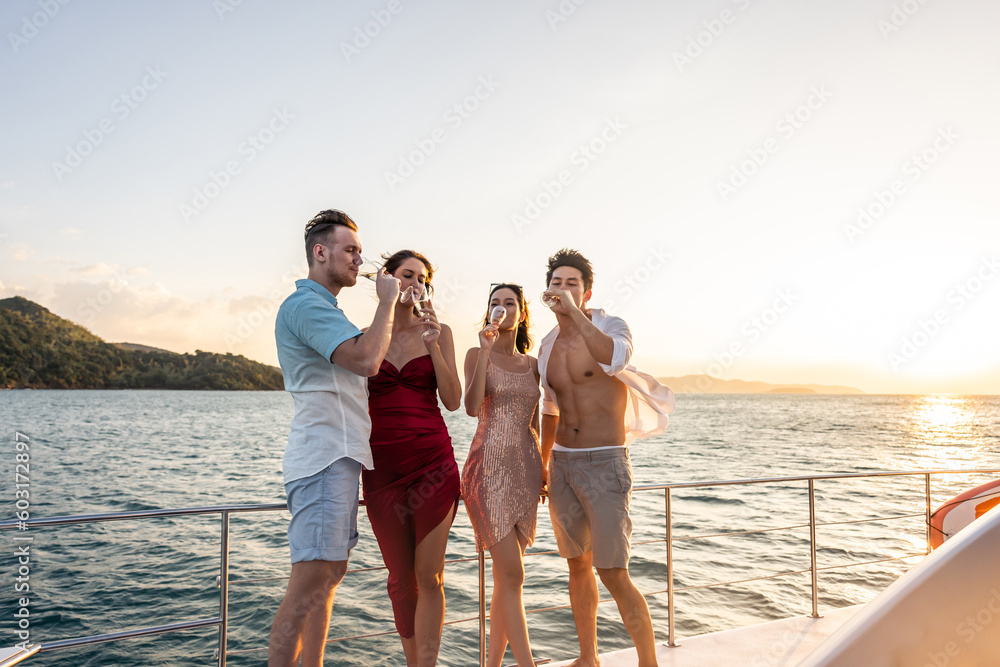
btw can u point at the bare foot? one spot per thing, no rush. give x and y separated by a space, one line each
585 662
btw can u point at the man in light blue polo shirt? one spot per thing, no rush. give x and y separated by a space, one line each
326 362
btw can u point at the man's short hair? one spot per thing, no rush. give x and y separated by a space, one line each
573 258
321 228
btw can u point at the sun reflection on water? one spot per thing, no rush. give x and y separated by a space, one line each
943 413
940 428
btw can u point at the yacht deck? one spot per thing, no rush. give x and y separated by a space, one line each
783 643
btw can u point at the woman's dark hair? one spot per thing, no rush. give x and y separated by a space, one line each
522 339
393 262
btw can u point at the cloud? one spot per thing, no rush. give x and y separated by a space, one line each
8 184
247 304
99 269
7 291
70 231
21 252
118 309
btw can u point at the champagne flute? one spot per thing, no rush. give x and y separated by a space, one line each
497 316
548 299
421 301
415 295
369 269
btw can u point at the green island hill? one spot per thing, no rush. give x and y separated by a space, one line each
39 350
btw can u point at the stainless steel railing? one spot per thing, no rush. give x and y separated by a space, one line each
222 620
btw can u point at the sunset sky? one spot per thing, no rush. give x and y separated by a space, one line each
768 189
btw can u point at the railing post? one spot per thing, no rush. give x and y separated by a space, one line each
224 589
927 496
812 547
671 638
482 608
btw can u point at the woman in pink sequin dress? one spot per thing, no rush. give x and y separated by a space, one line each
502 478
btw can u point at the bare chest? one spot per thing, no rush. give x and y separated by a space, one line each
571 364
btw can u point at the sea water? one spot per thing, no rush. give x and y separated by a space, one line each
113 451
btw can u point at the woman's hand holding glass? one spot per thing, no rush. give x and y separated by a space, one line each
488 336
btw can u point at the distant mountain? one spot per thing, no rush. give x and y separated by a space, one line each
39 350
706 384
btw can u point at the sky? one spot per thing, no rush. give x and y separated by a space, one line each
768 190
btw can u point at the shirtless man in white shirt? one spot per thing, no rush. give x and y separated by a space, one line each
585 435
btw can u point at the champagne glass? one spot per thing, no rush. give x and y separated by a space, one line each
497 316
421 301
418 296
548 299
369 269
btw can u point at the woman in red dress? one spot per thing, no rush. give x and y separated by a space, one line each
412 494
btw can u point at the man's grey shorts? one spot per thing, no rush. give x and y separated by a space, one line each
324 509
589 497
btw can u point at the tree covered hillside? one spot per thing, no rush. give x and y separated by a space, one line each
40 350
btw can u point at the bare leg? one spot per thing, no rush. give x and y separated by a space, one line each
498 634
410 650
634 611
583 599
429 617
303 618
508 579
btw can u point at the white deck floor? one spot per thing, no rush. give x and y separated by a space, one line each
782 643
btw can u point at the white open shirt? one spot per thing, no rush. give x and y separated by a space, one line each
649 402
